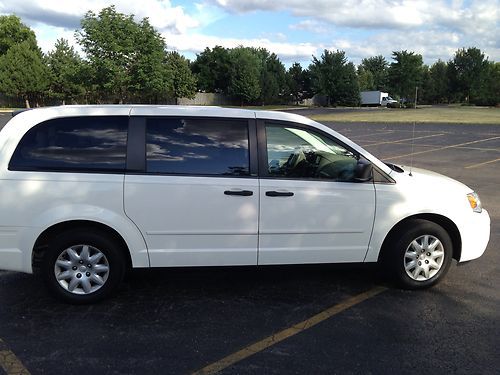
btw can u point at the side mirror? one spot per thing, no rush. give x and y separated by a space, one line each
363 171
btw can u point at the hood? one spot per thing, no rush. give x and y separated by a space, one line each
425 180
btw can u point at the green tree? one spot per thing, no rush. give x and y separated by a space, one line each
150 77
378 67
435 83
13 31
493 83
299 83
23 73
65 71
244 78
334 77
365 79
489 94
467 72
125 56
108 42
405 73
183 80
426 86
350 86
273 87
212 70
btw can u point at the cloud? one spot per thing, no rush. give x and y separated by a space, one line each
48 35
361 28
398 14
435 28
53 19
67 14
430 45
196 43
310 25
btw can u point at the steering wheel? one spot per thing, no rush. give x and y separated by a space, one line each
293 159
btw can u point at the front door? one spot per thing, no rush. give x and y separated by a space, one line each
312 208
196 202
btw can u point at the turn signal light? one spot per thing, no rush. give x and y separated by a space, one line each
474 202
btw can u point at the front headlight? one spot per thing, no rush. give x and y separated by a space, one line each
474 202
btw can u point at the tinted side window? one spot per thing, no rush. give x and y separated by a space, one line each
74 144
197 146
299 153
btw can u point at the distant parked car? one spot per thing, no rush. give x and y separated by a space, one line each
90 191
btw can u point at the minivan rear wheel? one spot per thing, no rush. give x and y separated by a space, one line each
419 254
83 266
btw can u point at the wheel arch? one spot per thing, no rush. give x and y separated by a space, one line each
41 243
448 225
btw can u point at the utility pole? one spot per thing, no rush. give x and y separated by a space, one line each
416 93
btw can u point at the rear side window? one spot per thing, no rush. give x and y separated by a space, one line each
216 147
90 143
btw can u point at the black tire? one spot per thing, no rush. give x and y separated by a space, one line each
395 257
95 239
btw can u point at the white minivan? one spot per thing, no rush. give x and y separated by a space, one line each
88 192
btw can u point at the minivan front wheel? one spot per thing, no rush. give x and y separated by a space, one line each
424 257
419 254
83 266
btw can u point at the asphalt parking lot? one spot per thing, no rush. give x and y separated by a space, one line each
283 320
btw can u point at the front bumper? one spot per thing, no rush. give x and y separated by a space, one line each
475 232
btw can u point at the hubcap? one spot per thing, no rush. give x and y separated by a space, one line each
81 269
424 257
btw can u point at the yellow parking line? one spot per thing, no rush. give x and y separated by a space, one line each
286 333
481 164
9 362
441 148
402 140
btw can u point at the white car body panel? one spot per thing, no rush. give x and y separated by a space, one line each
188 221
323 222
191 111
426 192
36 201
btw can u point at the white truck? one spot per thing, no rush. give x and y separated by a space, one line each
377 98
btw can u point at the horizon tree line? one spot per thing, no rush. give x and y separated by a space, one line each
128 61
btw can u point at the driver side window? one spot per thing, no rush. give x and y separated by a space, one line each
298 153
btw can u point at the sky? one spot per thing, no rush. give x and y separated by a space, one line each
294 29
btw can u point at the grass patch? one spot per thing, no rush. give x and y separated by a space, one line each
456 115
